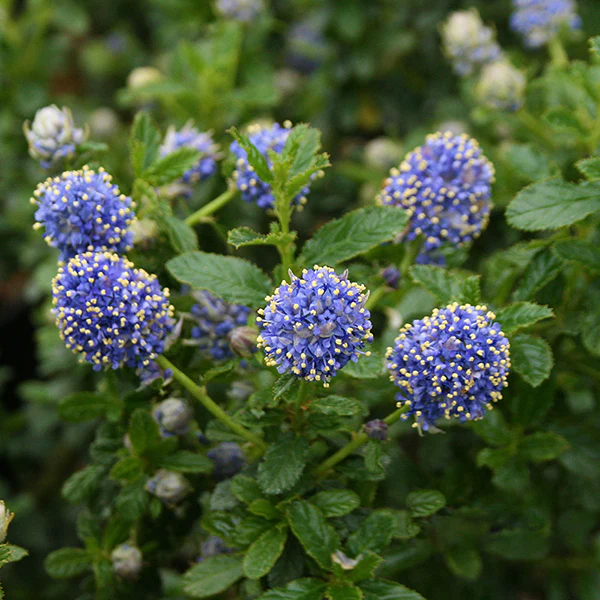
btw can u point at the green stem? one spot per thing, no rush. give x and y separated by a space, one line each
530 122
212 207
302 393
411 251
200 394
558 54
376 296
350 447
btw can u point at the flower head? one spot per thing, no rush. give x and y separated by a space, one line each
501 86
315 324
468 43
539 21
83 210
445 186
453 364
53 136
215 320
169 486
173 416
229 459
252 187
240 10
127 561
190 137
110 313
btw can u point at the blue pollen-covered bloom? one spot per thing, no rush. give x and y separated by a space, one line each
248 182
453 364
314 325
83 210
445 186
190 137
110 313
229 459
215 321
539 21
468 43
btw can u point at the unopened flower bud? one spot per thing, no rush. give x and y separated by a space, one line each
377 429
243 341
383 153
143 76
5 518
173 416
501 87
103 122
127 561
168 486
229 459
52 136
391 276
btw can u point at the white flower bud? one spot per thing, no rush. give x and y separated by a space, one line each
168 486
501 86
103 122
174 416
127 561
143 76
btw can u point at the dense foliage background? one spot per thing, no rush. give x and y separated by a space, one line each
516 507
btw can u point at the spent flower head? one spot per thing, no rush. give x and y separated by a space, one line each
468 43
110 313
501 86
53 137
539 21
83 211
265 138
445 186
315 324
452 364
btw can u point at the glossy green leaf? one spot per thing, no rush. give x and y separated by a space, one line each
577 250
181 236
264 552
375 533
382 589
518 544
212 576
244 236
172 166
67 562
464 562
185 461
255 158
366 367
590 167
531 357
143 431
245 489
343 590
423 503
144 142
543 268
300 589
542 446
82 484
83 406
283 465
336 503
406 528
521 314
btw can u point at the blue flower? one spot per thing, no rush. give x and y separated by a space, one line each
453 364
109 313
252 187
215 320
315 324
468 43
190 137
229 459
539 21
445 186
240 10
53 136
83 211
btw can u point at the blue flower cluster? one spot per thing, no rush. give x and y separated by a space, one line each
454 363
240 10
190 137
315 324
110 313
468 43
445 185
215 320
538 21
252 187
82 211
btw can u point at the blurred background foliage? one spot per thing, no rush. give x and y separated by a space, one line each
357 70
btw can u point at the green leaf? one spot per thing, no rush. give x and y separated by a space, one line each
143 432
552 204
343 590
283 465
263 508
355 233
181 236
443 284
244 236
83 406
318 538
521 314
172 166
382 589
590 167
542 446
518 544
283 385
144 142
336 503
264 552
212 576
528 161
337 406
423 503
543 268
562 117
494 458
10 553
245 489
406 528
255 158
365 567
67 562
132 500
367 367
300 589
493 429
374 457
464 562
294 185
229 277
185 461
470 291
577 250
127 469
81 485
302 145
531 357
590 331
375 533
595 45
